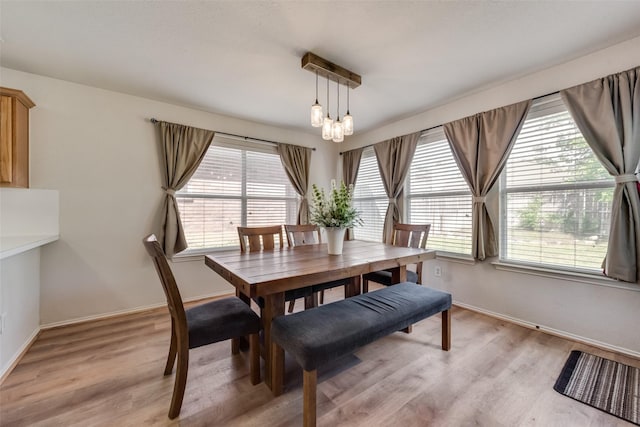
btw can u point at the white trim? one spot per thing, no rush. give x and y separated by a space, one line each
199 253
454 257
121 312
188 257
550 331
573 276
4 373
14 245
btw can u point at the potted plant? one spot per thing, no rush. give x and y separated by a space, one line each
334 213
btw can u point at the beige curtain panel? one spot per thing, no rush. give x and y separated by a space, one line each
296 161
607 112
350 166
183 148
481 145
394 158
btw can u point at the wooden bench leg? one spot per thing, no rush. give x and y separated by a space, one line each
446 330
309 385
408 329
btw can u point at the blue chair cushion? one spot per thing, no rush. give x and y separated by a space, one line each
220 320
324 333
329 285
384 277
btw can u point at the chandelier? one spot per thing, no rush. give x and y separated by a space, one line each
334 130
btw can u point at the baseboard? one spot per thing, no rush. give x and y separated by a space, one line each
18 356
551 331
124 312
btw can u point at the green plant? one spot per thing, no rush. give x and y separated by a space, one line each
336 210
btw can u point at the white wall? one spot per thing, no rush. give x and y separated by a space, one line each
28 219
19 302
596 313
100 151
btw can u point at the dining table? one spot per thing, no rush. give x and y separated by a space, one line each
269 273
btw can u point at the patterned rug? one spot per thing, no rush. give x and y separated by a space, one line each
602 383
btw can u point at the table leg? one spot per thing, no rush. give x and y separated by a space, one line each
353 288
399 274
240 343
274 366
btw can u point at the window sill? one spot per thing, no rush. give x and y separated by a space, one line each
198 254
597 279
453 257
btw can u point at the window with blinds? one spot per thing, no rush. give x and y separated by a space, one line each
437 194
555 194
370 198
235 185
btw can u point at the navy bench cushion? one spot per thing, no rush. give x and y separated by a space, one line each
321 334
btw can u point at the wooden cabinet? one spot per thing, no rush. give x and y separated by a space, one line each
14 138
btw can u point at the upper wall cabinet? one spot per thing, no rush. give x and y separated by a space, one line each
14 138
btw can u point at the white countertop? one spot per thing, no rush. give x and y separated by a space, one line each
13 245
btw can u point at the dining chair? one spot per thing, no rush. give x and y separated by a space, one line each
269 238
260 238
308 234
408 236
208 323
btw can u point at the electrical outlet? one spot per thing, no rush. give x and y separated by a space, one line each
437 271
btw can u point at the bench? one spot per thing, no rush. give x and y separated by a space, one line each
314 337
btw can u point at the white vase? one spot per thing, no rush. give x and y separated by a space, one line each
335 239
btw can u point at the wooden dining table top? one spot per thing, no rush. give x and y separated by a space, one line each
267 272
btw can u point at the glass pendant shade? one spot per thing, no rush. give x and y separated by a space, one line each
316 115
338 131
347 124
327 128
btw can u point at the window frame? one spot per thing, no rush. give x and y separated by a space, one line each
433 136
503 261
244 147
369 152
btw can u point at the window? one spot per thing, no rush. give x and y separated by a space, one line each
437 194
370 198
235 185
555 195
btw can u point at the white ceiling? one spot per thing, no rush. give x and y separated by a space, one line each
242 58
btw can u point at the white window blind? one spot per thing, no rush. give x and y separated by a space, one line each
555 194
370 198
437 194
235 185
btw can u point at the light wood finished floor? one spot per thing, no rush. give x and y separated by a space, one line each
109 373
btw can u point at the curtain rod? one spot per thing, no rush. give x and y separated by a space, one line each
246 138
433 127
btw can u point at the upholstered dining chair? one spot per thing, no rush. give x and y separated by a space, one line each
269 238
308 234
208 323
408 236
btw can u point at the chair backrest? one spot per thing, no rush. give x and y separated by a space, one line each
306 234
169 285
259 238
411 235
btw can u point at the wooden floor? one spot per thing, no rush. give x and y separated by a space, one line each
109 373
